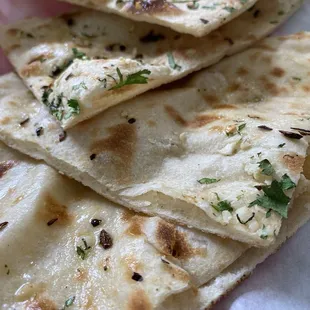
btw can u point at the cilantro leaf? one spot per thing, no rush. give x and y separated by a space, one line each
80 252
78 54
273 198
74 106
172 62
241 127
266 167
208 181
223 206
264 234
287 183
134 78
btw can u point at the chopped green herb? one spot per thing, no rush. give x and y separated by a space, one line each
223 206
45 95
134 78
208 181
296 78
268 213
264 234
273 198
266 167
241 127
229 9
78 54
281 145
80 252
287 183
172 62
78 86
274 22
74 106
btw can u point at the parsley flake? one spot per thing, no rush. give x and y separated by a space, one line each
134 78
264 234
273 198
74 106
266 167
208 181
287 183
223 206
78 54
172 62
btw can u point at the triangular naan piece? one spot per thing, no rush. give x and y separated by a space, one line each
197 18
242 268
82 63
228 169
78 244
84 252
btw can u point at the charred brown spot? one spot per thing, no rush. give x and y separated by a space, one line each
183 250
270 87
139 301
105 239
199 121
121 143
6 120
242 71
81 275
32 69
278 72
151 123
294 162
202 120
153 7
211 99
127 215
166 237
41 304
234 87
6 166
225 106
174 114
135 226
306 88
52 210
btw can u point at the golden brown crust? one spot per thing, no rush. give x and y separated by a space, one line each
139 301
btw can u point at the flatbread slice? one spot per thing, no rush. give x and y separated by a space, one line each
197 18
84 252
242 268
81 247
229 169
85 62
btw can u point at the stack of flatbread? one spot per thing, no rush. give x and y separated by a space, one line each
166 200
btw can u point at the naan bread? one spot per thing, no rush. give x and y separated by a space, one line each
242 268
51 56
64 262
182 154
121 261
197 18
